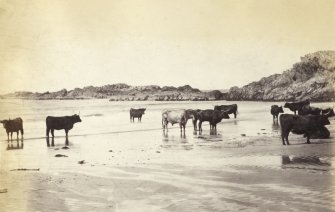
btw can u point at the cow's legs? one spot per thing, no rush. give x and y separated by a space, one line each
11 136
194 125
66 132
17 135
283 139
165 124
286 137
48 142
235 115
22 132
48 130
199 126
8 136
52 132
308 136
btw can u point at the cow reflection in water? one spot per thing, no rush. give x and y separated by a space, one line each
211 132
19 145
166 137
53 141
275 126
174 139
303 160
210 136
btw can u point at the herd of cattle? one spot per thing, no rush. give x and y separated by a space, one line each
309 122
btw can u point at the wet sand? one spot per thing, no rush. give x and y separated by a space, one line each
114 165
252 173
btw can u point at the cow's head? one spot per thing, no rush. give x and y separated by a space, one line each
5 123
190 114
280 109
76 118
224 114
142 110
328 112
323 120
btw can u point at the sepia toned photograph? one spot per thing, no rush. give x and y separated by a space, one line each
167 105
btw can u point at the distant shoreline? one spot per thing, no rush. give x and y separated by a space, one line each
186 100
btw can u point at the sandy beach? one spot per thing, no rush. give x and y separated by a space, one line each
125 166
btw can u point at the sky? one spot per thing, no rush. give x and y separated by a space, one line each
47 45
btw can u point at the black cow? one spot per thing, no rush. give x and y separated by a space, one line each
14 125
275 110
329 112
136 113
320 133
309 110
295 106
193 114
212 116
227 108
61 123
306 125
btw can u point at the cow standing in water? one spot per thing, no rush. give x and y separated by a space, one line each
309 110
229 109
302 125
61 123
136 113
193 114
275 110
173 117
212 116
296 106
14 125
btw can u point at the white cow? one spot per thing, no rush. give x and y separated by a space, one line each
174 116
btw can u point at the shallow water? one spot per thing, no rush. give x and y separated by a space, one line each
111 146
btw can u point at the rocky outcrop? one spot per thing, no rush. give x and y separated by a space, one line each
124 92
312 78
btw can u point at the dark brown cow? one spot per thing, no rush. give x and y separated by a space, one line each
61 123
212 116
229 109
309 110
193 114
13 125
136 113
295 106
306 125
275 110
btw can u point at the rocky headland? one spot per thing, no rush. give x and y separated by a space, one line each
312 78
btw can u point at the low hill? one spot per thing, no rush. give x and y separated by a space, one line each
312 78
124 92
